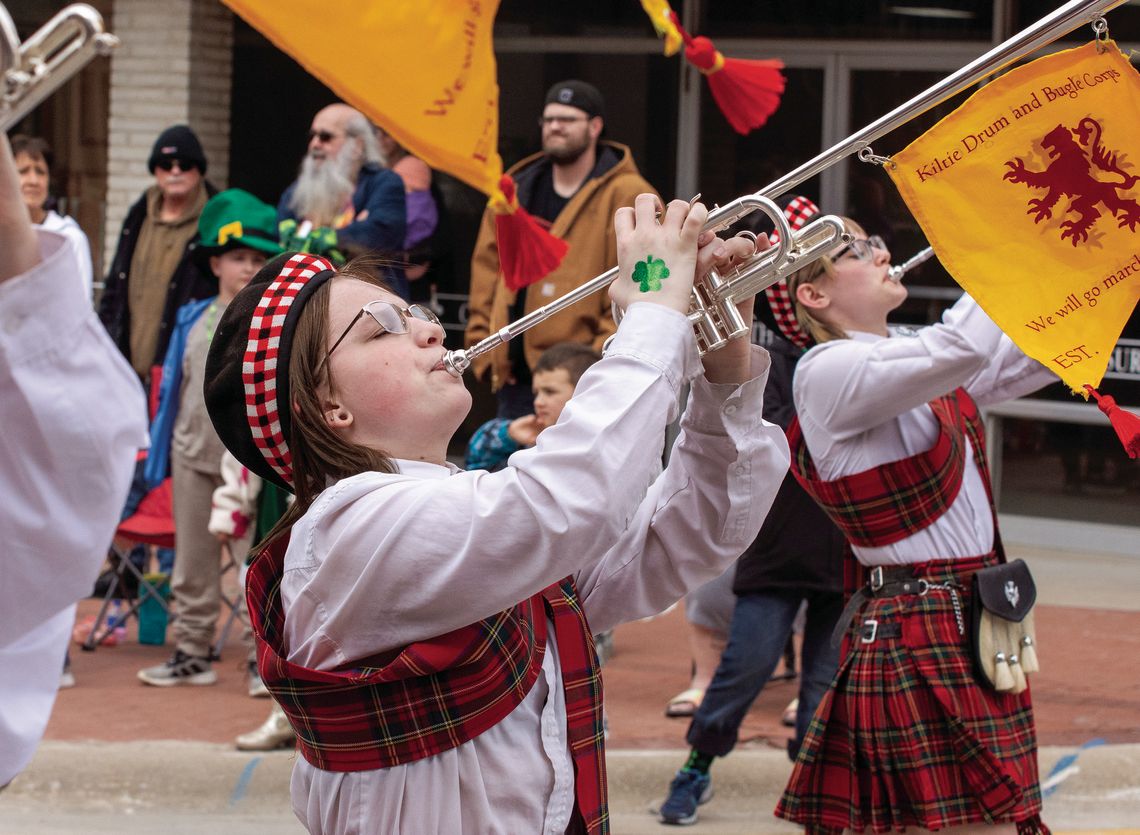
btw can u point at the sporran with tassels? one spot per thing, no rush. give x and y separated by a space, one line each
1002 639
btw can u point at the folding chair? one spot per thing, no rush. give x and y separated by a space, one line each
234 603
152 523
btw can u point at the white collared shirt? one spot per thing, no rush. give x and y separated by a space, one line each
381 560
862 402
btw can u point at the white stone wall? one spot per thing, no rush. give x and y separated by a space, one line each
173 67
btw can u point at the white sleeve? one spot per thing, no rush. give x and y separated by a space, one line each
404 559
702 512
73 418
849 386
233 507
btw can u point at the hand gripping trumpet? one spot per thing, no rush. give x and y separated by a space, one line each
33 70
711 302
712 305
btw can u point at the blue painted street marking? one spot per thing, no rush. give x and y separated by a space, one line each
243 781
1065 768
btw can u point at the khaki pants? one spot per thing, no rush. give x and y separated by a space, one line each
196 580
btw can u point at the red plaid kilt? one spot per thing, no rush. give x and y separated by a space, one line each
906 736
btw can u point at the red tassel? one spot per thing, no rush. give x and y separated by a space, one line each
527 252
747 92
1126 424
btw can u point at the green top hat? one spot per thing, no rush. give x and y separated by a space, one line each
235 218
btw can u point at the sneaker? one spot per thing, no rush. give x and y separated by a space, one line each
257 688
66 678
180 669
275 732
688 790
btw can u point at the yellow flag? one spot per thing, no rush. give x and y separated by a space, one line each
424 70
1028 193
661 15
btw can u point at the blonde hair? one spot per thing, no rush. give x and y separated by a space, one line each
318 453
817 270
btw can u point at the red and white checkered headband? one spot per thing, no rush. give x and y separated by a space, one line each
798 212
259 371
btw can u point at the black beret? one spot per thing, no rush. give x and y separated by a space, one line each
224 385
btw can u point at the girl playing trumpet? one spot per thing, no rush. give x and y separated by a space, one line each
907 737
426 629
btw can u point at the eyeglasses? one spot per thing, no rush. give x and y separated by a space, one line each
389 317
324 135
861 248
168 163
543 121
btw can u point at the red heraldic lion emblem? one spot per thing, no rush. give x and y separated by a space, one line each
1074 153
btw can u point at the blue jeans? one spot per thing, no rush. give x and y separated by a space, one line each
761 625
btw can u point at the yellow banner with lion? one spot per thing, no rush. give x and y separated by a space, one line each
1028 193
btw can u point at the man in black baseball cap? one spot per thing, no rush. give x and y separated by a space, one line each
573 187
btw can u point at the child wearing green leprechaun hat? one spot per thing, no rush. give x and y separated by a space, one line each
237 233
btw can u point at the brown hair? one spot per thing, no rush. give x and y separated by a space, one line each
818 269
33 146
319 453
573 357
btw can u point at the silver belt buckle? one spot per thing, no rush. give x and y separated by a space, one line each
870 639
876 578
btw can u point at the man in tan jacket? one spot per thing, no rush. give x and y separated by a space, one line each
575 185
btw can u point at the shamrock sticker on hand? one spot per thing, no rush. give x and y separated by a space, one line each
649 273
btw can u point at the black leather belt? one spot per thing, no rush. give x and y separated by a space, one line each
882 582
872 630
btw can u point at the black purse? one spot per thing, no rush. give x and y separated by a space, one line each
1002 639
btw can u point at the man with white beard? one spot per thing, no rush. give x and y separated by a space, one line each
345 202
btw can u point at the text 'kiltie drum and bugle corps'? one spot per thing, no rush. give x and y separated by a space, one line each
712 309
33 70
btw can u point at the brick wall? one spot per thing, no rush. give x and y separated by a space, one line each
174 66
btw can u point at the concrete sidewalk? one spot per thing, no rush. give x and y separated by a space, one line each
193 787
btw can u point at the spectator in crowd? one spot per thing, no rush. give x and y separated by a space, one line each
72 413
152 273
344 202
556 374
422 209
237 232
34 160
796 557
574 186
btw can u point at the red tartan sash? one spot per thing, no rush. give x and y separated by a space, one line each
434 695
888 503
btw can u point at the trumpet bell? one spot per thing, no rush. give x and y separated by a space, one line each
33 70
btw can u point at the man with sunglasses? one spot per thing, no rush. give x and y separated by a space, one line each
152 273
344 202
573 187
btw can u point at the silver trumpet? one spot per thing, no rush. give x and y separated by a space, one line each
712 306
33 70
896 272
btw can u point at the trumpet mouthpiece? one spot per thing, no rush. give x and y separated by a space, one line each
455 363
